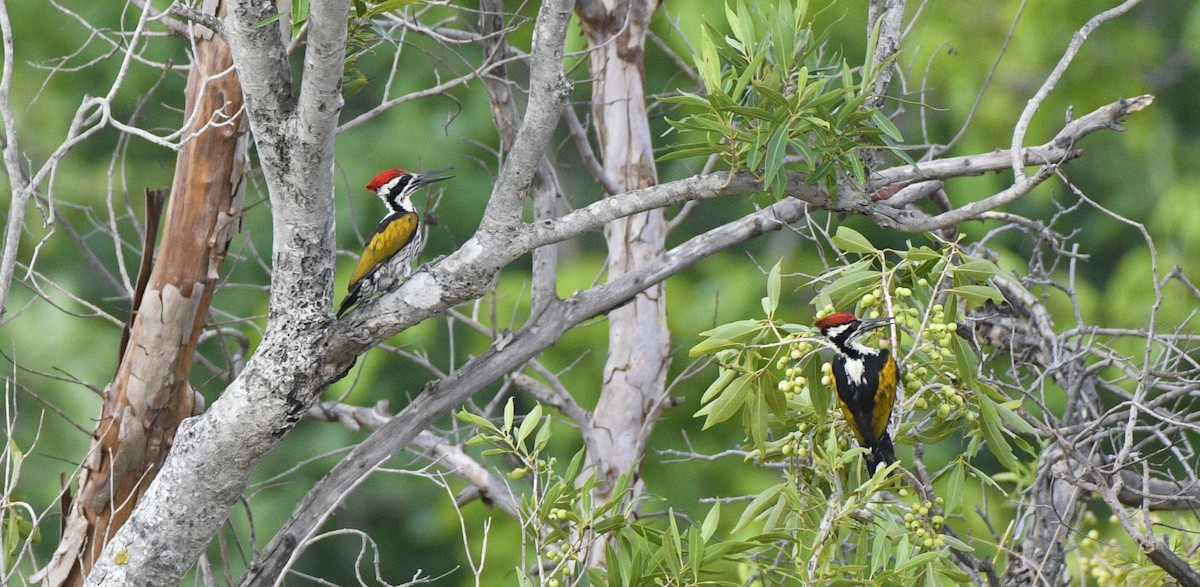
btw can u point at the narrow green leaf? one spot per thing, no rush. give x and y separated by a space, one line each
965 360
728 403
724 336
921 559
543 436
709 527
885 124
921 254
748 74
752 112
851 287
529 424
689 150
708 63
773 95
977 269
269 20
575 467
993 433
757 506
1007 413
686 98
483 424
388 6
976 295
724 378
509 414
773 162
851 241
955 488
774 285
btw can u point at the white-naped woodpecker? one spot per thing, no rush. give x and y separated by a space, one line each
865 380
394 245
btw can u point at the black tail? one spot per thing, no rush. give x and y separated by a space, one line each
350 299
883 453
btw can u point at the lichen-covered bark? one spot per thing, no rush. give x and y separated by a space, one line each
150 395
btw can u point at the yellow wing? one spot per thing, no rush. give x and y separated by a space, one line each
885 397
389 237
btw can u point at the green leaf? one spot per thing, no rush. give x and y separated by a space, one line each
773 162
921 559
725 336
529 423
850 287
483 424
977 269
993 433
543 436
724 378
748 73
509 414
709 527
966 361
728 403
708 62
753 112
575 467
1007 413
353 83
773 95
976 295
758 506
885 124
388 6
851 241
955 488
686 98
921 254
819 394
687 150
774 285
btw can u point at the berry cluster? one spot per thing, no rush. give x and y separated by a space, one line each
925 528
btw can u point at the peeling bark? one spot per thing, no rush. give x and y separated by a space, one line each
633 389
150 395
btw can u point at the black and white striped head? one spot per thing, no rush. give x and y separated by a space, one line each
842 328
396 186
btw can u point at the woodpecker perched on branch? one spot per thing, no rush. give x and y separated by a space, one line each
392 248
865 379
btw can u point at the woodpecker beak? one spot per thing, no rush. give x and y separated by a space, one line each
872 324
428 177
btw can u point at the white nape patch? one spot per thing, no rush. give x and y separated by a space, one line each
855 370
863 349
837 331
425 294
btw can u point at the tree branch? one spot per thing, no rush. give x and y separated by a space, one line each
548 87
537 335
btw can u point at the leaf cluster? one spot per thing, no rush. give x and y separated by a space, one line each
777 375
563 520
774 101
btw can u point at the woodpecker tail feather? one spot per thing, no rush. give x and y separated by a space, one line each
350 299
883 453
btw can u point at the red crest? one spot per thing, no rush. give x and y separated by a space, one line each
835 319
384 177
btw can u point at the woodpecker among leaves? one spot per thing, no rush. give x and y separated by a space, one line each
387 260
865 379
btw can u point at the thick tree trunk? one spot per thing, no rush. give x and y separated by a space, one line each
633 394
150 395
